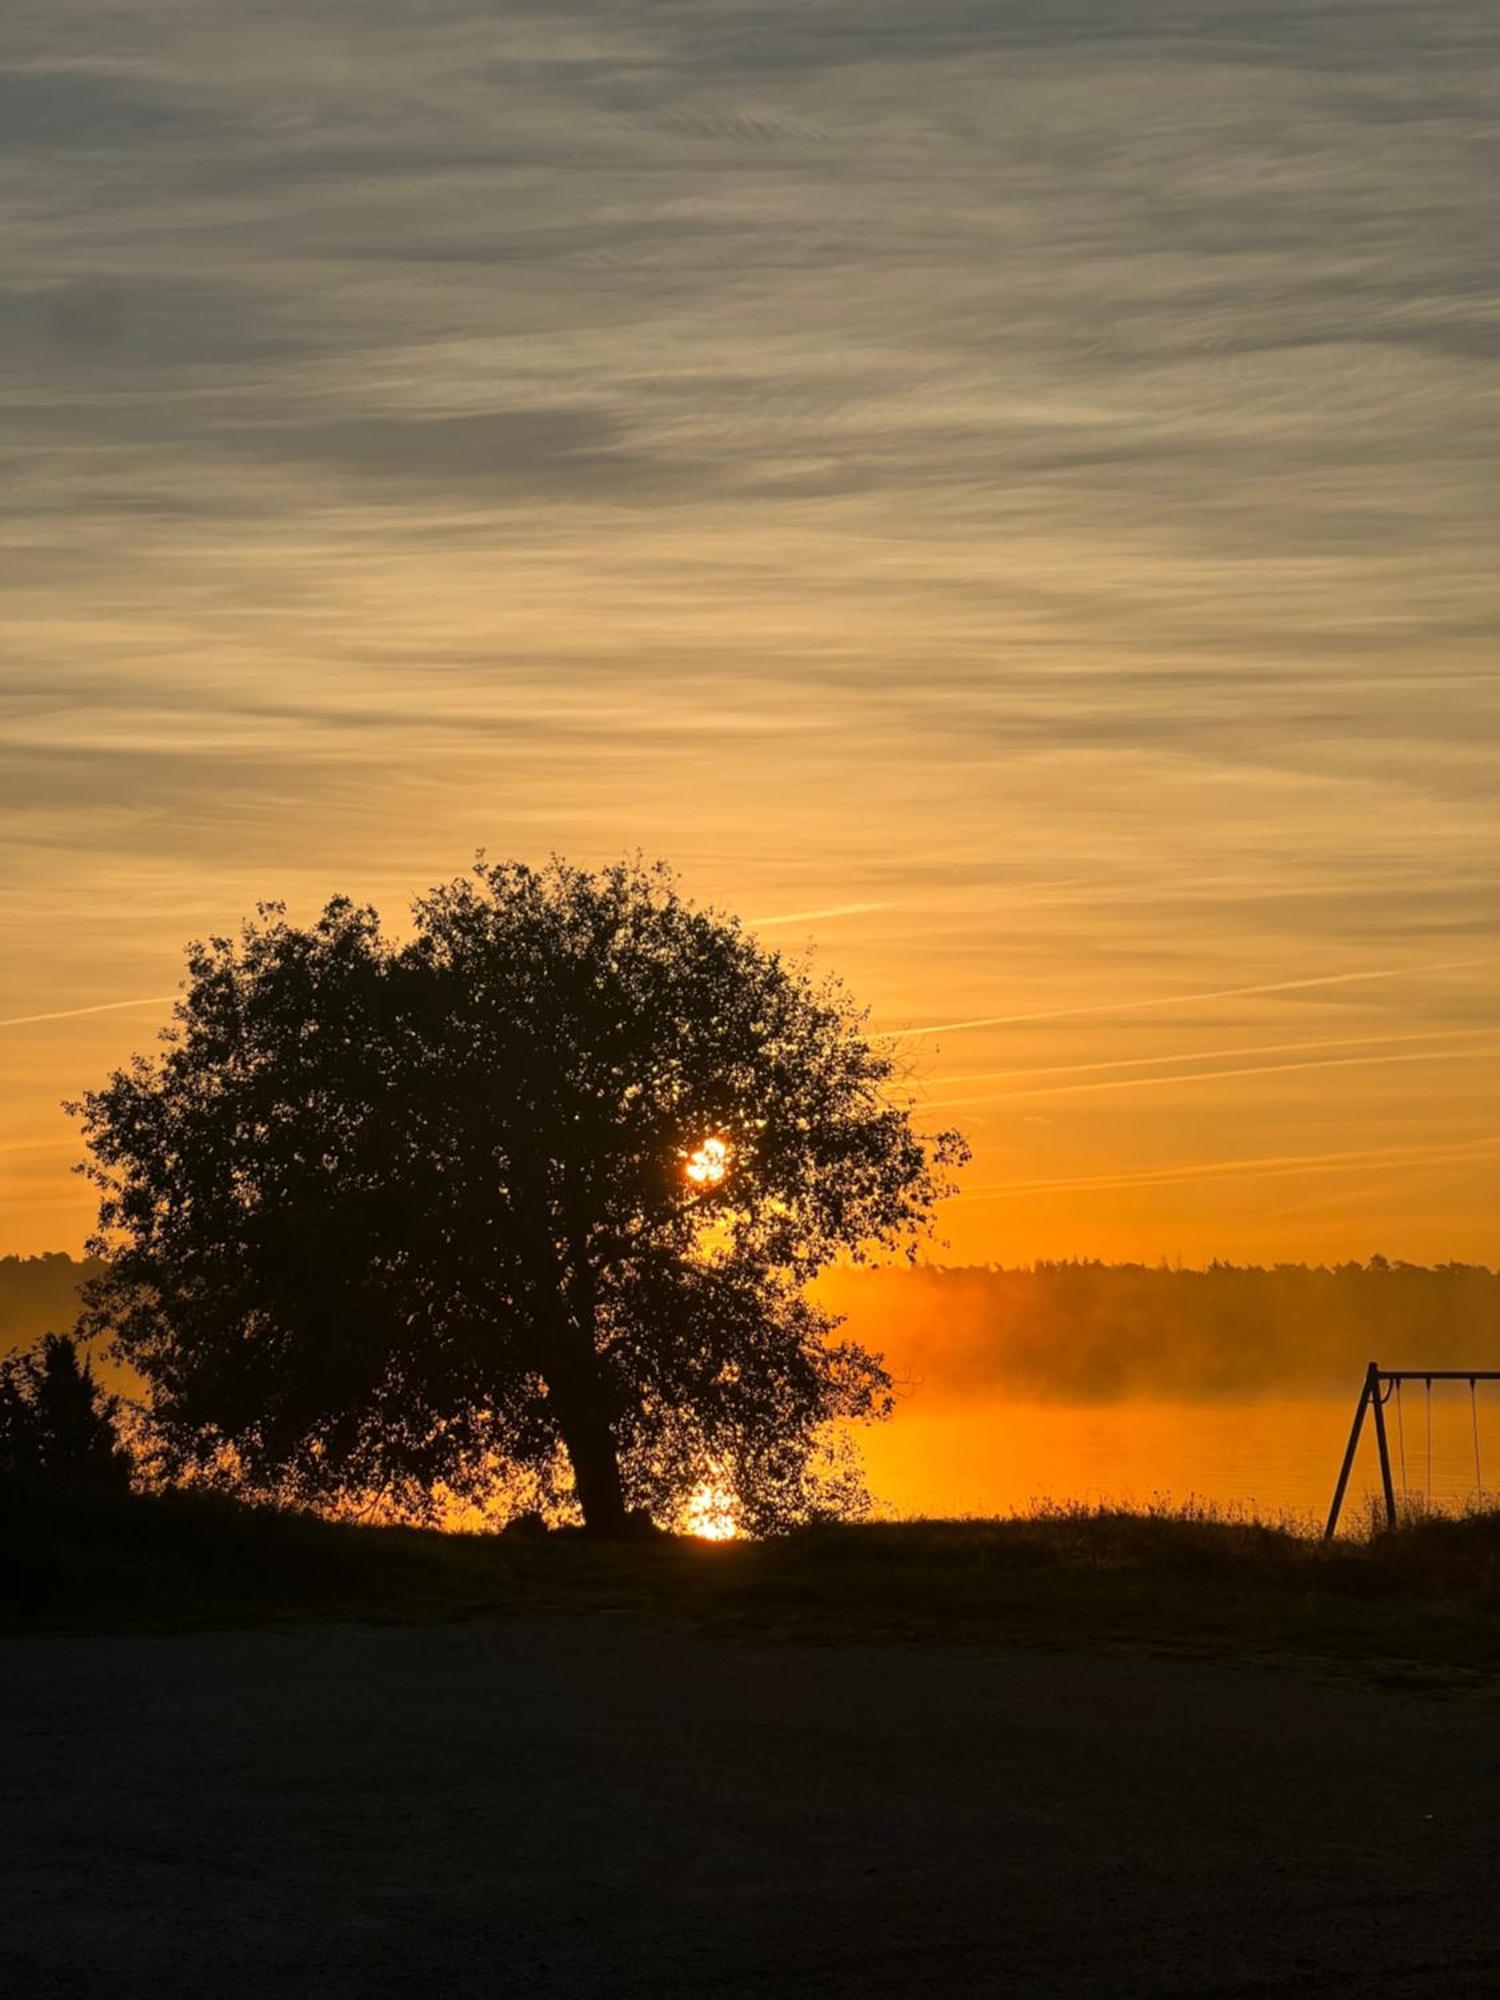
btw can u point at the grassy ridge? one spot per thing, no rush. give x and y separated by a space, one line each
1420 1605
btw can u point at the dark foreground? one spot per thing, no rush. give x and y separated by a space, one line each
1419 1608
565 1805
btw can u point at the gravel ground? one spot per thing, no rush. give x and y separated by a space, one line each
573 1806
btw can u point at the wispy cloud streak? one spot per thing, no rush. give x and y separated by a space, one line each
1184 999
817 916
77 1013
1206 1055
1220 1075
1271 1166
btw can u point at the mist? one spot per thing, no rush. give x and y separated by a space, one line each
1099 1333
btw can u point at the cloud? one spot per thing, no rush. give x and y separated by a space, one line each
816 916
74 1013
1220 1075
1189 999
1200 1055
75 110
1273 1166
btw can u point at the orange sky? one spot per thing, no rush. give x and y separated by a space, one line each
1018 498
1329 1120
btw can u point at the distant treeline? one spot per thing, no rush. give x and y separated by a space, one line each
1092 1332
40 1295
1080 1332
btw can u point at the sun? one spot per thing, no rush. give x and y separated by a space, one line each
710 1513
707 1167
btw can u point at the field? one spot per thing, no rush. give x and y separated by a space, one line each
1420 1607
1080 1754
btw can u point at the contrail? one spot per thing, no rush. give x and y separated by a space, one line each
1180 999
810 916
1274 1165
73 1013
1215 1075
1206 1055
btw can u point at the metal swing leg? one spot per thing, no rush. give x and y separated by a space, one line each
1370 1392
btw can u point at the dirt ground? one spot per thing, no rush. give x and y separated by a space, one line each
574 1806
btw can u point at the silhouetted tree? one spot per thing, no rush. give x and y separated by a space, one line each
550 1177
57 1427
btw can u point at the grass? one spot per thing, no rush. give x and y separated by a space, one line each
1417 1607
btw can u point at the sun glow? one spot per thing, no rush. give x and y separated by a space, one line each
710 1513
708 1166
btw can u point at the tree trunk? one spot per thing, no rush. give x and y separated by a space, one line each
595 1458
574 1388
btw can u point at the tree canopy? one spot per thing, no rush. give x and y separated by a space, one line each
538 1190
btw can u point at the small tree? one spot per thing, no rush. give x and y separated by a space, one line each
549 1178
57 1426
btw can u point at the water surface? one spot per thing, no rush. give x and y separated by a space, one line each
995 1455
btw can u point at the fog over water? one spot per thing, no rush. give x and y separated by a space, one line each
1095 1382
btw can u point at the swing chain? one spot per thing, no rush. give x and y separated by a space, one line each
1428 1475
1474 1420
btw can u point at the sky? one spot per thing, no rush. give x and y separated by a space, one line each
1001 494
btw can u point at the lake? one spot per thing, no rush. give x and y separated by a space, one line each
997 1455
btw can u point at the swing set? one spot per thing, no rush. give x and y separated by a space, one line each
1380 1385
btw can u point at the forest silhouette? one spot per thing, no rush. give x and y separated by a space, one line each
1081 1332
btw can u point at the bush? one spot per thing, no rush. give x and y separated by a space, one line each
58 1429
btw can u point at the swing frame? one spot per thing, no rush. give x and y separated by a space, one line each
1376 1391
